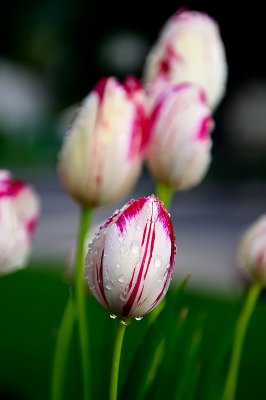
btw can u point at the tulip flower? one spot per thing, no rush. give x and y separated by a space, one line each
19 213
252 258
190 49
179 150
102 156
130 262
252 250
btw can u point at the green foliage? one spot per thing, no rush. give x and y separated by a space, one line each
179 352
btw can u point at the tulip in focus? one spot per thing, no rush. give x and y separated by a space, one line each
252 250
130 262
190 49
180 143
19 213
102 155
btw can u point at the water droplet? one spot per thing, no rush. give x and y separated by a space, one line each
134 248
138 318
175 247
120 239
109 285
169 214
124 296
113 316
123 248
112 247
121 278
157 261
138 227
117 265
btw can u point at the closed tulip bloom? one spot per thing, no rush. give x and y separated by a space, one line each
180 143
19 213
190 49
252 250
102 155
130 262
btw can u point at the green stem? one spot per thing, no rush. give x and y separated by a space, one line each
116 360
62 345
164 193
240 333
80 299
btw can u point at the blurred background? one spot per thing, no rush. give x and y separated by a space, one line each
52 52
51 55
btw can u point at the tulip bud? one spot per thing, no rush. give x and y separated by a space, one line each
19 212
252 250
102 155
130 262
190 49
179 148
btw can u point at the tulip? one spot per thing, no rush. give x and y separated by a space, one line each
129 263
19 213
190 49
179 150
102 155
252 250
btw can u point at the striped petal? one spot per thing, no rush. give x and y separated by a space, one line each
130 262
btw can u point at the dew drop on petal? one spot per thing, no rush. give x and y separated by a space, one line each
138 318
109 285
120 239
134 248
138 227
123 248
113 316
157 261
121 278
124 296
117 265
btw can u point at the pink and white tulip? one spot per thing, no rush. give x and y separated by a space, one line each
190 49
130 262
252 250
19 214
102 155
180 144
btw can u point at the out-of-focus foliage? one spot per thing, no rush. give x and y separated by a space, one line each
33 301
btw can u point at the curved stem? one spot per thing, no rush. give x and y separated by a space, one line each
80 299
240 333
164 193
62 345
116 360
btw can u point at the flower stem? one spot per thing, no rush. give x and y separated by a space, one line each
240 333
116 360
62 345
164 193
80 299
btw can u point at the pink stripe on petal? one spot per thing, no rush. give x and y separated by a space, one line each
132 85
100 280
151 252
130 212
205 128
11 188
139 297
99 88
127 308
31 225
